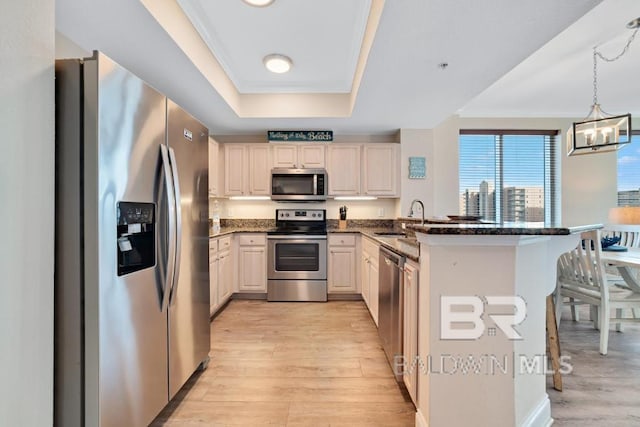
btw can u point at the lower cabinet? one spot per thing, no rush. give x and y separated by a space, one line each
410 327
342 262
220 272
252 262
369 267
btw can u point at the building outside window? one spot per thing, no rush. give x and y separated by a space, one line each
512 170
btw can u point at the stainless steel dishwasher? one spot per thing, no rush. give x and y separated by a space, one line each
390 301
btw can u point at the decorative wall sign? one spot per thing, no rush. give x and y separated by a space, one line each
417 168
300 135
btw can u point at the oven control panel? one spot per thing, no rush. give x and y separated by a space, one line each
300 214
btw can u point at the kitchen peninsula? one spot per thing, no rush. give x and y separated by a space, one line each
481 327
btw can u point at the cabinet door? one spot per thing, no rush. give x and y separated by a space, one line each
380 173
252 268
213 283
410 324
285 156
364 273
234 169
342 269
311 156
259 170
343 168
226 277
373 290
213 167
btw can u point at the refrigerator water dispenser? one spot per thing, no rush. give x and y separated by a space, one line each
136 236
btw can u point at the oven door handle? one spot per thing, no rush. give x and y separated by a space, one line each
297 237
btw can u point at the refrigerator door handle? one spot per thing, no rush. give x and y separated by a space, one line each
178 216
171 208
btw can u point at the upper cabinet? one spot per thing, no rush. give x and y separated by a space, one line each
301 156
363 170
247 170
343 169
353 169
214 167
380 170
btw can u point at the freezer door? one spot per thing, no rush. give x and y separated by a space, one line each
189 302
126 329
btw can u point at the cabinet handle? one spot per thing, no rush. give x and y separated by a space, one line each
303 166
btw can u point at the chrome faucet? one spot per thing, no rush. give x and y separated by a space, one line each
421 209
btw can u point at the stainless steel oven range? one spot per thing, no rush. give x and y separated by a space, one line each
297 256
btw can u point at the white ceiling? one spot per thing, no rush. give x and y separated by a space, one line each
506 58
323 39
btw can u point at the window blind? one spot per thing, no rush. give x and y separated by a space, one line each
508 176
629 172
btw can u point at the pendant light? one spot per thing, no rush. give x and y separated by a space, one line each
599 131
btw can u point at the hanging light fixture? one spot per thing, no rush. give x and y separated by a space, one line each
599 131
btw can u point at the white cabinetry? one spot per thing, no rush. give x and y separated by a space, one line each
410 328
363 170
380 170
220 272
247 169
214 167
343 169
370 270
342 262
303 156
252 262
213 275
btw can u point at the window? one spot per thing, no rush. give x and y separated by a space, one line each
629 172
512 170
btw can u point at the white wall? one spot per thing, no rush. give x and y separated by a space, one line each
439 191
26 212
68 49
265 209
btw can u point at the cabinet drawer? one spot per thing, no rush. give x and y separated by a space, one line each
252 239
224 243
213 245
339 239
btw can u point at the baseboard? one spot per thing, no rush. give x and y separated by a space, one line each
249 295
344 297
540 416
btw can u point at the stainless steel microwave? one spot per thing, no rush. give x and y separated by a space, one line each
304 185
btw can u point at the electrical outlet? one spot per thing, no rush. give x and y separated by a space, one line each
381 212
403 225
230 212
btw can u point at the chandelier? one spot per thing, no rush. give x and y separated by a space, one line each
599 131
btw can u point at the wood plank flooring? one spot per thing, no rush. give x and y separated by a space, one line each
292 364
314 364
601 390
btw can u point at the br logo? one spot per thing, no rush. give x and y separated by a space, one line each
469 324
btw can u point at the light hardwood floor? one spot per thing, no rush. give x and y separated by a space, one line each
601 390
292 364
314 364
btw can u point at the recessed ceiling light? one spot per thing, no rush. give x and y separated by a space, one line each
259 3
277 63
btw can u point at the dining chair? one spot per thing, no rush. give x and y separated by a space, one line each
629 234
582 278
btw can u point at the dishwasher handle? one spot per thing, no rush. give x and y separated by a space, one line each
391 258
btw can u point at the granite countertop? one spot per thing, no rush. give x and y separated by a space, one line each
510 228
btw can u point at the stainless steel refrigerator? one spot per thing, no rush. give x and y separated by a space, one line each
131 284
